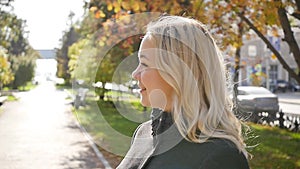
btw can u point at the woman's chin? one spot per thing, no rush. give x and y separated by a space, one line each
144 102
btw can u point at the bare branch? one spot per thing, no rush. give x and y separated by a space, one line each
270 46
296 15
289 34
298 4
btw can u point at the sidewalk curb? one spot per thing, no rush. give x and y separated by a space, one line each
94 146
90 140
290 102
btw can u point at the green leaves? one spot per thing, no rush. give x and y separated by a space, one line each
6 75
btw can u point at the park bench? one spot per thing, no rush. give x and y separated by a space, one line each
79 99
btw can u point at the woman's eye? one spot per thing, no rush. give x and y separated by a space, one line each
143 64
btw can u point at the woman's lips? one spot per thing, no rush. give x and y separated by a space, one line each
142 90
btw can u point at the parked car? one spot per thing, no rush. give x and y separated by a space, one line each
281 85
257 99
294 86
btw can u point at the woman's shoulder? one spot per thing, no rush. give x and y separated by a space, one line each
143 130
211 144
213 147
213 154
219 153
221 144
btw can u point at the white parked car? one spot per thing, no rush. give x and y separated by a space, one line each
257 99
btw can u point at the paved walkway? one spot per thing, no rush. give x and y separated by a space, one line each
38 132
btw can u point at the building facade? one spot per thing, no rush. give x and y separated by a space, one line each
259 66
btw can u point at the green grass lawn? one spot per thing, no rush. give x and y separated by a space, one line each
27 87
11 98
107 121
8 91
276 148
111 128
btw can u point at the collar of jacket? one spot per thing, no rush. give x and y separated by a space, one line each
151 138
164 131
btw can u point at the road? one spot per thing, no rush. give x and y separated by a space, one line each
289 102
290 108
38 131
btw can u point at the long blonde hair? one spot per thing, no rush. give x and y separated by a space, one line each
195 69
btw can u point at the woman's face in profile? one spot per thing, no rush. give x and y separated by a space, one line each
155 91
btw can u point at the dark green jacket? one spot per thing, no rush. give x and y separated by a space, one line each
160 146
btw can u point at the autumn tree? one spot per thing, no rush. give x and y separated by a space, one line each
114 32
229 21
13 38
109 40
21 55
6 75
12 34
229 30
62 58
23 67
265 15
80 52
24 72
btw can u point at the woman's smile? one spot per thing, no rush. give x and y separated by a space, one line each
142 89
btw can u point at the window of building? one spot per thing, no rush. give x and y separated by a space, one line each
273 73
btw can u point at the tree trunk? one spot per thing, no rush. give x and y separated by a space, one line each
289 35
237 59
235 79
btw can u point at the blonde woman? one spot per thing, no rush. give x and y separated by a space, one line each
181 76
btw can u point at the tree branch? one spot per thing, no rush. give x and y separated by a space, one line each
270 46
296 15
289 34
298 4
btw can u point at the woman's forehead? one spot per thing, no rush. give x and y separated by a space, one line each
147 48
147 42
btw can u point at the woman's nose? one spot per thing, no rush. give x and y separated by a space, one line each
135 74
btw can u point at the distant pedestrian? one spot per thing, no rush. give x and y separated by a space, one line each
181 75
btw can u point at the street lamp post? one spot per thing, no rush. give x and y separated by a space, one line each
267 69
252 52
